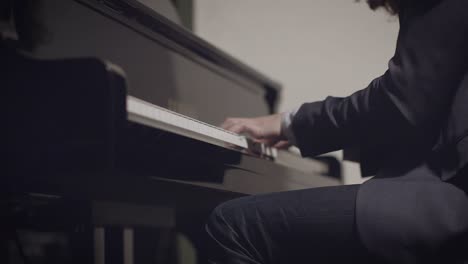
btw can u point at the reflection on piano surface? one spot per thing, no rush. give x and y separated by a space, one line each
95 158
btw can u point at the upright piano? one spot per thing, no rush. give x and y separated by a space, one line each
112 149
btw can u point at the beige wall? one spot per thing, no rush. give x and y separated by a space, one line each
314 48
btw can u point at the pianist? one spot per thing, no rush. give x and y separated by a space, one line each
411 126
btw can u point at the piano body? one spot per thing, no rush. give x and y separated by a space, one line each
107 162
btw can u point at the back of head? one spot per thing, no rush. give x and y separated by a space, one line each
392 6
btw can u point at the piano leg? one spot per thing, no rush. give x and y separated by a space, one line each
99 245
137 245
103 232
128 246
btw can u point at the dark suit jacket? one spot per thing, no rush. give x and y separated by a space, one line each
417 108
411 125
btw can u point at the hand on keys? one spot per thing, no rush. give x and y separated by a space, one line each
264 129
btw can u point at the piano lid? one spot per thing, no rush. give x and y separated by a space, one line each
163 7
165 64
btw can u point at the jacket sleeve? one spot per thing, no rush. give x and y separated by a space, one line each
409 100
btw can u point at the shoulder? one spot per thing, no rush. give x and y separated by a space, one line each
429 12
410 9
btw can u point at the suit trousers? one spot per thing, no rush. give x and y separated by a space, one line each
304 226
406 214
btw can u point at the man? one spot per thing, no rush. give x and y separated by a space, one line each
411 126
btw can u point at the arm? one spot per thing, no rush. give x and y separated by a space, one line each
410 100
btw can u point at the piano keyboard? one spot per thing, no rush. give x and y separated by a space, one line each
145 113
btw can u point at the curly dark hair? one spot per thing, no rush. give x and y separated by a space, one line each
392 6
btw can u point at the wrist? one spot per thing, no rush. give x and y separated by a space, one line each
286 126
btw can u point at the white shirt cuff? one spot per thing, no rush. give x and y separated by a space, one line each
286 126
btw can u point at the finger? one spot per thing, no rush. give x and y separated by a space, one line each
229 122
227 126
283 144
238 129
245 126
246 130
267 141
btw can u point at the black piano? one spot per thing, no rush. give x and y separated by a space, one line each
112 150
